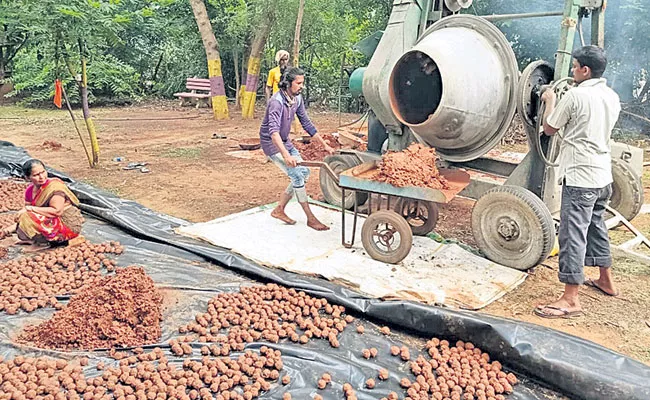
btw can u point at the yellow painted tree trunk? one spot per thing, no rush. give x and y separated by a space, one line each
253 72
82 84
90 125
217 87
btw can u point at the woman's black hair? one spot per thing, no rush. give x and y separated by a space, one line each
289 76
29 165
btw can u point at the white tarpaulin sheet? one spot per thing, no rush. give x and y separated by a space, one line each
431 273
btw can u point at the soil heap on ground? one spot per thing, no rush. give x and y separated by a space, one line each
313 151
414 166
120 310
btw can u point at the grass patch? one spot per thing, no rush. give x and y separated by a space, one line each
183 152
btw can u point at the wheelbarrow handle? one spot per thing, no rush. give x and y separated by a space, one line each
323 166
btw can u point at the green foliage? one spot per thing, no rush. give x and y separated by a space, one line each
109 79
152 46
149 47
33 79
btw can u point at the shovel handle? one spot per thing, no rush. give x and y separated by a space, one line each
323 166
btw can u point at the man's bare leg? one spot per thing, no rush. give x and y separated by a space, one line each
312 221
605 282
568 304
278 211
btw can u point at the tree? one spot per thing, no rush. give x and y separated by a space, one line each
12 35
219 100
262 31
296 35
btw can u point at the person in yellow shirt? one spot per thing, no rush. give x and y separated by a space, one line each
275 74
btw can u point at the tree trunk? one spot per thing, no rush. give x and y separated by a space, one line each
296 36
235 60
253 72
83 90
218 90
242 84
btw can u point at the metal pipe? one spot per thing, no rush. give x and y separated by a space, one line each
503 17
582 38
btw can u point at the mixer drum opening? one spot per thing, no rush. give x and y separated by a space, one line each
416 87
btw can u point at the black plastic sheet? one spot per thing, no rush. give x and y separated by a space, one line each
574 367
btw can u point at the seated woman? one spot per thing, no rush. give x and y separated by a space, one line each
51 215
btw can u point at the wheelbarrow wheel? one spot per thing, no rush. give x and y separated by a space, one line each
386 236
421 215
330 188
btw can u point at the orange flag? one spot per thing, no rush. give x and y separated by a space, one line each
58 90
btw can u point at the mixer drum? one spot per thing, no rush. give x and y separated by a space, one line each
456 88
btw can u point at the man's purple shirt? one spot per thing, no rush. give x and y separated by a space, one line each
278 118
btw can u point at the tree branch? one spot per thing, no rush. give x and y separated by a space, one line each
637 116
11 56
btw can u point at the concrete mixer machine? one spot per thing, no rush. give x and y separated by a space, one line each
450 81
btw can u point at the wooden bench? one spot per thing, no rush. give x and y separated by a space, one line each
199 92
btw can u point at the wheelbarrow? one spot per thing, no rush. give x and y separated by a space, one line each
387 234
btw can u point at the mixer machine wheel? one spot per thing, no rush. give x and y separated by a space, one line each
627 190
421 215
330 188
513 227
386 236
535 75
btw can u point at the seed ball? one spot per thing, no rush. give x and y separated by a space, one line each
360 329
394 350
322 384
405 383
327 377
286 380
370 383
286 396
318 397
383 374
384 330
373 352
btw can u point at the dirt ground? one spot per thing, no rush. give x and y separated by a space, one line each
192 177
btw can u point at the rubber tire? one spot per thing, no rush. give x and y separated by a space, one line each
432 212
399 223
627 190
528 209
330 189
